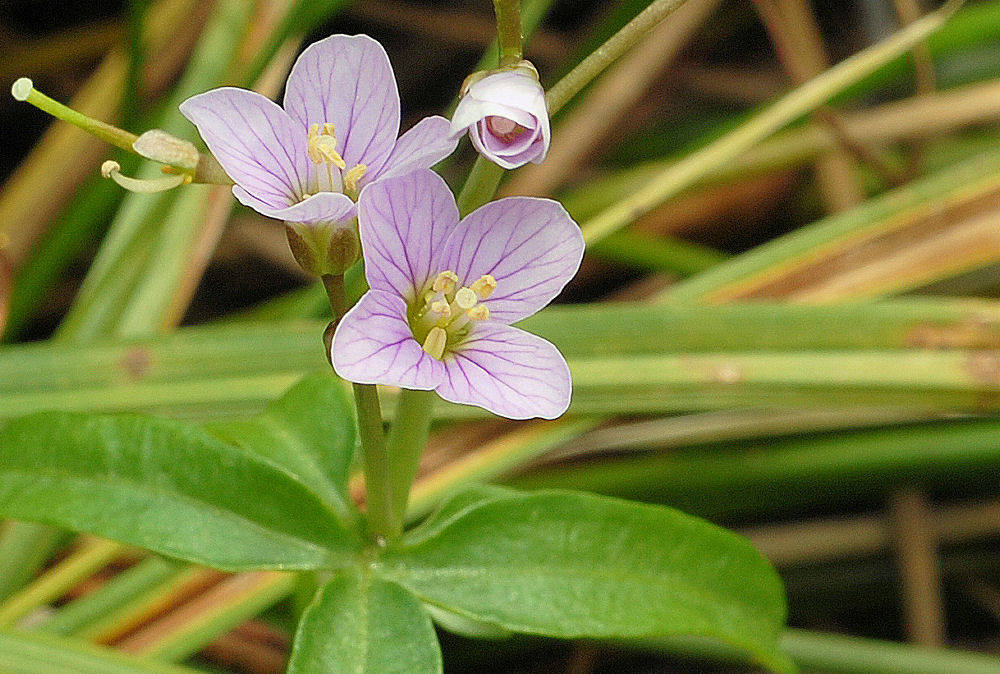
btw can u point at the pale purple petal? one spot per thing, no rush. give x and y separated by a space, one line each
422 146
261 148
321 207
373 345
530 148
347 80
509 372
530 246
404 222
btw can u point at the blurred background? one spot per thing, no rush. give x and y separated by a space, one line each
825 300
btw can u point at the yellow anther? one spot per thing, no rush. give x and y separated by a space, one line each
445 282
442 309
466 298
322 146
480 312
435 342
353 177
485 286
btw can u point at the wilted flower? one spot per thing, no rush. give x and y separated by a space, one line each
337 132
443 294
506 117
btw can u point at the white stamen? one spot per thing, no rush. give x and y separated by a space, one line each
112 169
21 88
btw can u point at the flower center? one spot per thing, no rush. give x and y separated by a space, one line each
505 129
322 151
444 313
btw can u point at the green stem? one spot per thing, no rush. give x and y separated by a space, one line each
378 481
605 55
24 90
480 186
509 36
407 439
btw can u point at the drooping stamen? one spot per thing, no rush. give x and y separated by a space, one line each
353 177
435 342
504 129
322 146
112 169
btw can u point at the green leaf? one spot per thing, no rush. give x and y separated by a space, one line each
365 625
309 432
168 487
572 565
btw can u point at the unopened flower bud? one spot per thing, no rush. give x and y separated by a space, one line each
506 116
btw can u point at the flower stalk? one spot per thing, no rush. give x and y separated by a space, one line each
509 36
375 457
407 439
619 43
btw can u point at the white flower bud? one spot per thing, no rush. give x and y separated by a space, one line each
506 117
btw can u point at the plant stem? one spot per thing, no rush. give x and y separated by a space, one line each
407 438
509 37
480 186
603 56
378 482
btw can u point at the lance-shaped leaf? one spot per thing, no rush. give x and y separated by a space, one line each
572 565
309 431
168 487
365 625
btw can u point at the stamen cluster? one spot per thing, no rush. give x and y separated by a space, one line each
447 310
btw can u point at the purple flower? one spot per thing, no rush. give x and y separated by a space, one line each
507 119
336 133
444 292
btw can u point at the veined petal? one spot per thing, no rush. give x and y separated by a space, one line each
475 109
373 344
404 222
321 207
261 148
509 372
424 145
530 246
347 80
